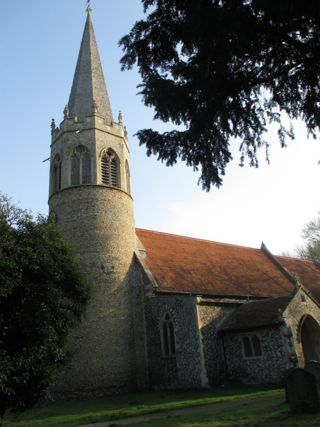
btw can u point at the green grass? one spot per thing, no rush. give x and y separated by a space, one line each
271 413
75 413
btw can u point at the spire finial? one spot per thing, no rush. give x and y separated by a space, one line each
88 9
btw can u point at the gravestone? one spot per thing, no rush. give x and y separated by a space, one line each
302 390
313 366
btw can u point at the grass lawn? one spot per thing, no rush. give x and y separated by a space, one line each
75 413
271 413
258 413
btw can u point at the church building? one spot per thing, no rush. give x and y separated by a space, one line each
166 311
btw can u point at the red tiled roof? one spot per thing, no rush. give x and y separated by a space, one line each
255 314
187 265
306 272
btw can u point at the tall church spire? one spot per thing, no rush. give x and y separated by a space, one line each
90 199
89 92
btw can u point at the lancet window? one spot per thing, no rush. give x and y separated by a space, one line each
56 174
110 168
168 336
80 166
251 346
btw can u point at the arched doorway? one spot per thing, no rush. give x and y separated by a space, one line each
310 339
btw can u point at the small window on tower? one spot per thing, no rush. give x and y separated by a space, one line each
56 174
110 168
81 166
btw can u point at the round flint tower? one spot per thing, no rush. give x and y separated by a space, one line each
90 196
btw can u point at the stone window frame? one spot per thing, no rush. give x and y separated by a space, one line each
168 336
251 346
56 176
110 168
79 152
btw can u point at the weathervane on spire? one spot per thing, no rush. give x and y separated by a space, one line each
89 9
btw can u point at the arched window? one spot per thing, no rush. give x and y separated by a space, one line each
80 166
56 174
251 346
167 337
128 177
110 168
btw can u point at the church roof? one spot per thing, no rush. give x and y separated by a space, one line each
88 87
255 314
307 273
187 265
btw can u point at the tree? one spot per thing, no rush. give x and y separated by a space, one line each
311 235
224 70
42 296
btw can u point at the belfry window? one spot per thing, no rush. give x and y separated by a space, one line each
110 168
251 346
167 337
80 166
56 174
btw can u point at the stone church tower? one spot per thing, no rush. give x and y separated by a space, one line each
90 196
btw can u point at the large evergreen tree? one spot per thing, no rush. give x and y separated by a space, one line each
42 296
225 69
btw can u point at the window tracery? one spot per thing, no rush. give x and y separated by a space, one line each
110 168
80 166
251 346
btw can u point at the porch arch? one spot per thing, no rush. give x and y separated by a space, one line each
310 338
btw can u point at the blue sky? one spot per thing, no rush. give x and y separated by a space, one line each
39 44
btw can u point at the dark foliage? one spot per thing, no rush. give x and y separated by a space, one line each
42 296
225 69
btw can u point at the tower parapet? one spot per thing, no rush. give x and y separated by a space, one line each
97 137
